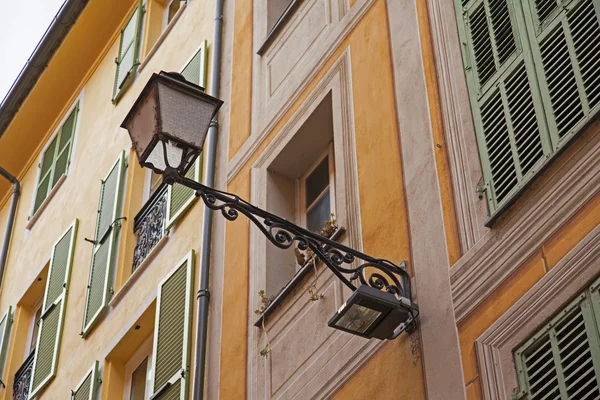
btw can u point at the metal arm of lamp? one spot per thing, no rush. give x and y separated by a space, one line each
375 272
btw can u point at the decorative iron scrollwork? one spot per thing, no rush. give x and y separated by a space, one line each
23 379
347 264
149 226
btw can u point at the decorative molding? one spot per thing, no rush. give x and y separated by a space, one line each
465 167
488 264
497 372
266 116
340 354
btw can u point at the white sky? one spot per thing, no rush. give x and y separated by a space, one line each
22 25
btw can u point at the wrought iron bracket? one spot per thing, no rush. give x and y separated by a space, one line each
346 263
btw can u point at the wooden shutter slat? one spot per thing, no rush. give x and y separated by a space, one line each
172 332
562 360
195 70
129 49
179 197
53 310
5 330
86 389
106 235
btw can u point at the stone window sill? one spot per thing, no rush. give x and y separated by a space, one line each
42 207
288 289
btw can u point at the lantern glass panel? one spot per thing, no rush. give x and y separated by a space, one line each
156 159
358 318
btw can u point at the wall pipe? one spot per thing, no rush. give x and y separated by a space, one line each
210 154
11 219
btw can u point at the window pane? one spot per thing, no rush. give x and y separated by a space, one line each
138 381
316 217
36 326
173 8
275 10
317 181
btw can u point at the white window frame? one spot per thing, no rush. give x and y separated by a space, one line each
35 214
302 208
31 339
148 186
134 362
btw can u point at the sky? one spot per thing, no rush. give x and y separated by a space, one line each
22 25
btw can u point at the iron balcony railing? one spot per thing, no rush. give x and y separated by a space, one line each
23 378
149 225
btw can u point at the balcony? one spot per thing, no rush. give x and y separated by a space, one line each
23 378
149 225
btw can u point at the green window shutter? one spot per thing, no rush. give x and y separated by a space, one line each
567 51
86 389
562 360
509 116
195 70
179 197
128 58
103 255
56 159
5 328
171 363
53 312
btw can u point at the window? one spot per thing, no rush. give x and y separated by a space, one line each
532 68
100 283
53 312
138 373
171 8
275 10
316 193
55 160
34 326
300 187
128 58
562 360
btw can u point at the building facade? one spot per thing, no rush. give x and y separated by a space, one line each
458 136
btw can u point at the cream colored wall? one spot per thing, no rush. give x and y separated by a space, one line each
98 142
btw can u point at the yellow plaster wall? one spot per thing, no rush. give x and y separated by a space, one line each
98 143
379 166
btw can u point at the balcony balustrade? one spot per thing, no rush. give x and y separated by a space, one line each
149 225
23 378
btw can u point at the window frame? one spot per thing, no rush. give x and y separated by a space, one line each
31 330
302 208
165 16
34 213
143 352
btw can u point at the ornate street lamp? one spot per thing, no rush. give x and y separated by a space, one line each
168 124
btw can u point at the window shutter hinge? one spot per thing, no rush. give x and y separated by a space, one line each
520 395
99 380
481 190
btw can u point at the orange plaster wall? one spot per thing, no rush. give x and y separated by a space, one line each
378 156
528 275
241 77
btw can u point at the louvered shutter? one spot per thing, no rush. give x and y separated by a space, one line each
53 312
56 159
562 360
5 328
195 70
86 389
99 287
171 363
180 198
511 131
129 51
567 49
